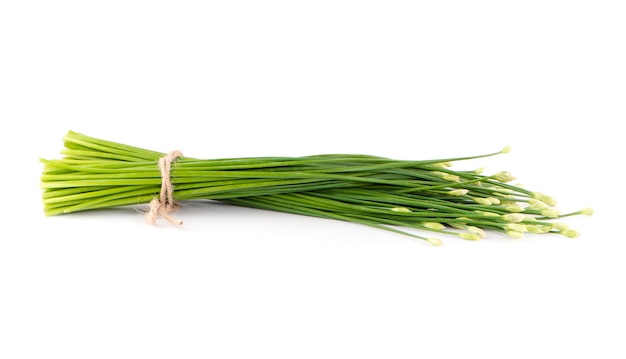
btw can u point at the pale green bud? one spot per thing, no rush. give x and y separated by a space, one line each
560 226
544 198
488 214
447 176
458 192
536 204
570 233
514 208
503 176
434 241
515 227
483 201
469 236
544 228
476 230
587 211
457 225
532 228
514 217
433 225
451 178
550 212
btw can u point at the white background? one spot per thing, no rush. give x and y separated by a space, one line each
407 80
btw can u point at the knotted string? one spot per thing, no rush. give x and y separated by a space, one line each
165 204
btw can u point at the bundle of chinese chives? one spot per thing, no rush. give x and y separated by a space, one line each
383 193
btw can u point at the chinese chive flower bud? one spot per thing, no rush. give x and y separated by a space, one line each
550 212
560 226
514 208
458 192
570 233
514 217
515 227
538 228
434 241
544 198
447 176
534 229
536 204
451 178
458 225
503 176
442 164
544 228
488 214
433 225
483 201
587 211
401 209
477 231
470 236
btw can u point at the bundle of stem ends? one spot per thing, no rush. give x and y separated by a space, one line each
394 195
